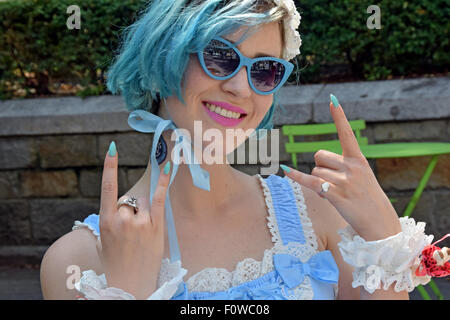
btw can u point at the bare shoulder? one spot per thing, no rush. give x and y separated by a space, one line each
64 261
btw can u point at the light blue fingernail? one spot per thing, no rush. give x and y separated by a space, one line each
112 149
167 168
334 100
285 168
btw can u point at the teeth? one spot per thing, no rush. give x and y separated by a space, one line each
223 112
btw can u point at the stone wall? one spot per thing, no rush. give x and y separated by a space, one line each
52 152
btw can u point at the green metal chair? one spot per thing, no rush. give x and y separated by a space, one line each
375 151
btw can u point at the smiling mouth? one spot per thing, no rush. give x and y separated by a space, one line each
226 113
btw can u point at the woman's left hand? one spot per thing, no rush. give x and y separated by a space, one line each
353 188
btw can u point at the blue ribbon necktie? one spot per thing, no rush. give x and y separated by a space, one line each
320 266
146 122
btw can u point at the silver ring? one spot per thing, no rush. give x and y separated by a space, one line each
325 186
130 201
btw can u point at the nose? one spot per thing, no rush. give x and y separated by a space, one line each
238 84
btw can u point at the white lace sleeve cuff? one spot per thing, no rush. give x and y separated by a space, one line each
385 261
94 287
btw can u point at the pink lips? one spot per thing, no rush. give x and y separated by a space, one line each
227 122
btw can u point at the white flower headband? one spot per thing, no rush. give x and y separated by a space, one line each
291 23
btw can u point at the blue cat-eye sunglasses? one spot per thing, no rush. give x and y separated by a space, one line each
221 60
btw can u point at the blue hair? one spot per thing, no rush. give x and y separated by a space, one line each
155 50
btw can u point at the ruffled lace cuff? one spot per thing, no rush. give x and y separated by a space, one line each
380 263
94 287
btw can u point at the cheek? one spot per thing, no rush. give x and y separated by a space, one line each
194 76
264 103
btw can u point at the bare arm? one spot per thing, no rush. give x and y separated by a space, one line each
64 262
346 291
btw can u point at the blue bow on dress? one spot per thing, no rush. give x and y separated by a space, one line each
320 266
146 122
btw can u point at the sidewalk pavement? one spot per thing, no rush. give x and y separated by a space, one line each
23 283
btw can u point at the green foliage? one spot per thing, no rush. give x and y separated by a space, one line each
38 51
413 39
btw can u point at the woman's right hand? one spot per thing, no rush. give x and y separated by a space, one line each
132 245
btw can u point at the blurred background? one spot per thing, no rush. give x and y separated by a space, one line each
57 117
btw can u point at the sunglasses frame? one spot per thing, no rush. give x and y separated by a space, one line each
248 62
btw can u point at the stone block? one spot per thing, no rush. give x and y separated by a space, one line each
67 151
422 212
133 148
91 180
49 183
20 255
15 227
63 115
17 153
296 104
405 173
442 214
432 130
133 176
267 150
52 218
386 100
10 184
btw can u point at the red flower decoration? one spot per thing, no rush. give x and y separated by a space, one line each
428 265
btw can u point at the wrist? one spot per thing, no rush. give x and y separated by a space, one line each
374 233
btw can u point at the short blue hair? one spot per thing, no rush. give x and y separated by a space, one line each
155 50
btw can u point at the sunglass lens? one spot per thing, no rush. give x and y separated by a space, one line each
220 59
266 75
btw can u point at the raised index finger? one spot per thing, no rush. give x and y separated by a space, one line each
159 196
108 197
349 144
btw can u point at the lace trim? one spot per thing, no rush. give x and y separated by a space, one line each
308 230
380 263
271 218
95 287
78 225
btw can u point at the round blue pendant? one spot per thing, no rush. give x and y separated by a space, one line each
161 150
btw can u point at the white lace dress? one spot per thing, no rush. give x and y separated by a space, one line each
219 279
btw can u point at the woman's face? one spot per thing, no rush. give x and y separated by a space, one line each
235 91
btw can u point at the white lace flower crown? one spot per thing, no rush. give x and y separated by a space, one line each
291 23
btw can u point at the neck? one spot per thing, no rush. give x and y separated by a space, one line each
226 185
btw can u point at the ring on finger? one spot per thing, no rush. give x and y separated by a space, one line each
130 201
325 186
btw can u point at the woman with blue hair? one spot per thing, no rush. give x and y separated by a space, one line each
204 230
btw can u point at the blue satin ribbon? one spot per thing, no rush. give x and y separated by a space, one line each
143 121
320 266
291 270
270 291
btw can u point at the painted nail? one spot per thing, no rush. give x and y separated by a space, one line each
167 168
112 149
285 168
334 100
